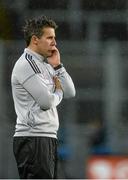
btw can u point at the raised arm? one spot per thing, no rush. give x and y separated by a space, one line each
65 79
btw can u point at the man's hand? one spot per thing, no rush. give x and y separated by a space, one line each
57 83
54 59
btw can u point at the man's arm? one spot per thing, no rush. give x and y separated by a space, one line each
66 83
65 79
38 89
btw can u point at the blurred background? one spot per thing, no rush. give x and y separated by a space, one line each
92 38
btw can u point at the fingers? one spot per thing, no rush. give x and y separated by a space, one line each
54 49
57 82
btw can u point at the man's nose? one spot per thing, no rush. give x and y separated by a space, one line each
54 42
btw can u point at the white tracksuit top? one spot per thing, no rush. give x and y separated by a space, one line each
35 97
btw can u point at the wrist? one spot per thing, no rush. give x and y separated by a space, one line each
58 66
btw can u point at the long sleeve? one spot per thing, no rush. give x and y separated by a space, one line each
66 82
38 89
35 96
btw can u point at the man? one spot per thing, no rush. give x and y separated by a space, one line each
39 83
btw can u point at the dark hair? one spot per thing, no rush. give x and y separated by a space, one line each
34 26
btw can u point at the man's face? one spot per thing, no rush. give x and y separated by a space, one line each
46 43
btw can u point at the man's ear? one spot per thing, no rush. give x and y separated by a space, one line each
34 39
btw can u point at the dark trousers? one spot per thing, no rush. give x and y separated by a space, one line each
36 157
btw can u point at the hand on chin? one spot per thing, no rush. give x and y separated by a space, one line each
49 53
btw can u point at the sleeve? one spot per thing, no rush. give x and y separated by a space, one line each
23 71
66 82
38 89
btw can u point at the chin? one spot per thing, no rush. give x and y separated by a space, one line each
49 54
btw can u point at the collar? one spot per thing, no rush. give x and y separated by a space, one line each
38 56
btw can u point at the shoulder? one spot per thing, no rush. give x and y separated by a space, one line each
25 67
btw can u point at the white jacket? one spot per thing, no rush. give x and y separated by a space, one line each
35 97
